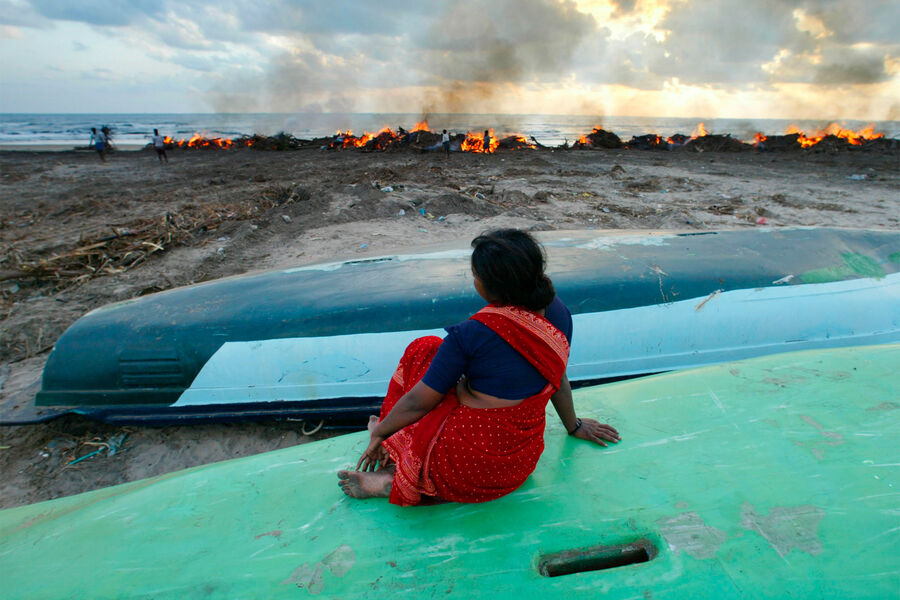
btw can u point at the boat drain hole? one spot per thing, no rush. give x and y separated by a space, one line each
596 558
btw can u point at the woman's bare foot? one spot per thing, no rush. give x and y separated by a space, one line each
359 484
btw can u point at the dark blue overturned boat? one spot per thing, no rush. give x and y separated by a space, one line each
321 341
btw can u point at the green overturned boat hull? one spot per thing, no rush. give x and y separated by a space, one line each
775 477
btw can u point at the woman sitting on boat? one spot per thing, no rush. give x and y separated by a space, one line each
463 419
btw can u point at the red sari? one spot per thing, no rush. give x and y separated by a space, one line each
462 454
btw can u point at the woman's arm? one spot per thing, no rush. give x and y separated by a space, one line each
586 429
411 407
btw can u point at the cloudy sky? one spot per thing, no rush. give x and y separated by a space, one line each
804 59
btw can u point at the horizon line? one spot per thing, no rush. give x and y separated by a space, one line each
427 116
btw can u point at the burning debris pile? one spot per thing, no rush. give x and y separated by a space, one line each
198 141
124 247
421 139
832 139
598 138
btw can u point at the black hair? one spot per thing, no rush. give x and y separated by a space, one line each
510 264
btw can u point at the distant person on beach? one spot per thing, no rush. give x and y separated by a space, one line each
98 142
159 144
463 419
445 142
487 142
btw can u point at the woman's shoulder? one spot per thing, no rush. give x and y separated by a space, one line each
558 314
467 328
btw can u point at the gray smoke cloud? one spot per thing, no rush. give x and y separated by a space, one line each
476 48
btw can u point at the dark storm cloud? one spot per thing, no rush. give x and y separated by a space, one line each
722 41
850 66
873 21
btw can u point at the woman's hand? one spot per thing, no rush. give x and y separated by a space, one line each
594 431
374 455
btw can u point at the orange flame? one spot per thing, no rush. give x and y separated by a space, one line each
699 131
855 138
421 126
198 140
474 142
382 139
521 139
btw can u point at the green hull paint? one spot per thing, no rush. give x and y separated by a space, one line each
775 477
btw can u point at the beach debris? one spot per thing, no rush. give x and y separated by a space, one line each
110 446
833 137
858 177
598 138
401 213
785 279
387 189
286 218
123 247
761 221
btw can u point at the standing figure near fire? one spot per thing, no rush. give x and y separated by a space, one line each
463 419
445 142
98 141
159 144
487 141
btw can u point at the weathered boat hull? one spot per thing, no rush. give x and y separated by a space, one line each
323 340
775 477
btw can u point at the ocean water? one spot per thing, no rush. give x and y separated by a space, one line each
135 130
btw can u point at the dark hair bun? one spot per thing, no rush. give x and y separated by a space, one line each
510 264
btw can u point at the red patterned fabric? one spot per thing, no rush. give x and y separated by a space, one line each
464 454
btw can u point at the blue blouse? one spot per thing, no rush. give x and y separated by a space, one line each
493 367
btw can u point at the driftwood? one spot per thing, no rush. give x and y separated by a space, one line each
123 248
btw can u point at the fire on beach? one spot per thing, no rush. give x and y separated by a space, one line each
420 138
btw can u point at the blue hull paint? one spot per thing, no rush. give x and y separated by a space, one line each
322 340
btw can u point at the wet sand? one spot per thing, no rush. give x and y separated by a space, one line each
325 205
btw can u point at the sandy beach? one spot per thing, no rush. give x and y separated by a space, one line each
279 209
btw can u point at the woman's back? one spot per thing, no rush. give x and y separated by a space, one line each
491 366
